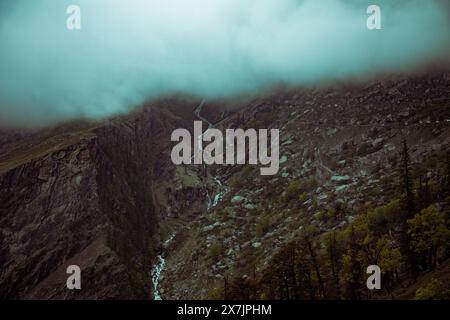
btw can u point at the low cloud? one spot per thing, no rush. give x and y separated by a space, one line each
130 51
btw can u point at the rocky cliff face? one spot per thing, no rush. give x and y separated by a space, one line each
82 196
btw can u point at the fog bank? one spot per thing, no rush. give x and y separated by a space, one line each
130 51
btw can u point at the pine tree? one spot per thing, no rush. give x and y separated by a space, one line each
406 177
334 259
448 170
408 203
310 247
352 266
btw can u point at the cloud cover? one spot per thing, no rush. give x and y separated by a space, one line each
130 51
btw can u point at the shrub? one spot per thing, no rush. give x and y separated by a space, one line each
433 291
303 197
430 236
428 230
330 214
264 225
299 186
293 189
382 218
215 251
216 293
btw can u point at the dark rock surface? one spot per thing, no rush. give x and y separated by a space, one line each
86 198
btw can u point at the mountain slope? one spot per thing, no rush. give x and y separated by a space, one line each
341 154
106 196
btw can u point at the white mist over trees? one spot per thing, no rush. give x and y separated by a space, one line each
130 51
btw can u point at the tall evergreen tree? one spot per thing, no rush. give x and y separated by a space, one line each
406 183
411 257
334 260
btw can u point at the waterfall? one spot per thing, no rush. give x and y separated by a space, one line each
159 268
156 274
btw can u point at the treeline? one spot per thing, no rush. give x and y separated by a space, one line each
407 237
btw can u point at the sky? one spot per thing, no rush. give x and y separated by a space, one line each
127 52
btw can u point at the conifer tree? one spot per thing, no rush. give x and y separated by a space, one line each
411 257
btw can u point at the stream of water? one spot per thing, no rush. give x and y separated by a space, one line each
222 191
159 268
156 274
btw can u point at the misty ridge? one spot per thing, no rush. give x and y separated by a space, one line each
129 51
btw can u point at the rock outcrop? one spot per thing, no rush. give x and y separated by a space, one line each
85 198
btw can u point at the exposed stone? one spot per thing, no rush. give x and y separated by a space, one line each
256 245
237 199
